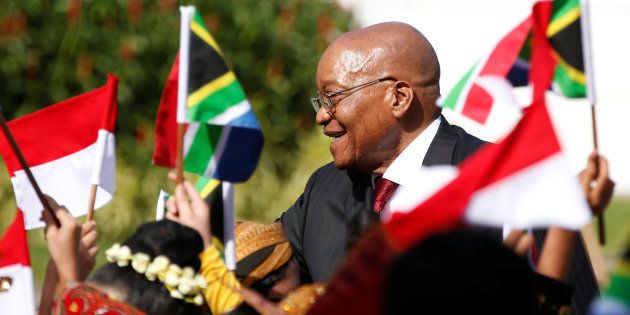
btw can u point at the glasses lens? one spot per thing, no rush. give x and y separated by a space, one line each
316 104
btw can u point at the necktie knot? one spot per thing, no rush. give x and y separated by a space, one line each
383 189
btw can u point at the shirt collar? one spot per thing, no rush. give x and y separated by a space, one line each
405 168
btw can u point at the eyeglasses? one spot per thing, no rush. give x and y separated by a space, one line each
325 100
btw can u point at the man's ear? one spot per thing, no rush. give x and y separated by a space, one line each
404 97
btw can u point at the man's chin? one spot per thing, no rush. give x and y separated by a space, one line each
341 165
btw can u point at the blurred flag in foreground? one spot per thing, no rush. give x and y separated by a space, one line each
69 146
223 139
490 80
17 295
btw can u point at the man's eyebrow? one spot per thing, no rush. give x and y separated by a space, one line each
331 84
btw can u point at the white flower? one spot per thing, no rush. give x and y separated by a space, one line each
123 256
175 294
112 253
201 282
171 279
140 262
186 285
159 265
188 272
175 269
161 262
198 299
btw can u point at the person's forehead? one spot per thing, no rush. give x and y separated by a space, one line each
346 64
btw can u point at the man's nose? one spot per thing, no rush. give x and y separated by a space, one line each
323 116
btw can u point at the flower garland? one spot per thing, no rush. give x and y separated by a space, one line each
182 283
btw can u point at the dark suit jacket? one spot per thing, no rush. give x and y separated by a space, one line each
334 201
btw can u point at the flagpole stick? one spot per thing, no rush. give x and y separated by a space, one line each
27 170
179 161
91 202
585 24
600 222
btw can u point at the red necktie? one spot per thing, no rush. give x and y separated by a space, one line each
384 189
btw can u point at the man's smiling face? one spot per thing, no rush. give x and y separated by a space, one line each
360 125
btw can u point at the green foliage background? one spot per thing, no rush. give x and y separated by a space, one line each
51 50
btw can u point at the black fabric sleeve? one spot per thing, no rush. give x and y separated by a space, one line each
293 221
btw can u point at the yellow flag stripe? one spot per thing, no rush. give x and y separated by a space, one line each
208 89
575 74
212 184
563 21
205 36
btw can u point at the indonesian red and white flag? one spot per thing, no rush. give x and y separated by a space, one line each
69 146
17 295
522 182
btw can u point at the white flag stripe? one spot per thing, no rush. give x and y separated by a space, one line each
231 113
105 153
543 194
189 136
408 197
67 180
20 298
218 152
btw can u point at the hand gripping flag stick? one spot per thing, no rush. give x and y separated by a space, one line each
27 170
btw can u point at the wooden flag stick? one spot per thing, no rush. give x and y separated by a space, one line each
27 170
585 24
600 222
179 161
91 202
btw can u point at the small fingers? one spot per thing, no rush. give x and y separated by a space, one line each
512 239
171 207
182 200
172 176
93 251
88 227
89 239
524 244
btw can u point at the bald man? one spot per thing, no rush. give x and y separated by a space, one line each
377 91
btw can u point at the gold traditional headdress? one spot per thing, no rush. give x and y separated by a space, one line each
252 237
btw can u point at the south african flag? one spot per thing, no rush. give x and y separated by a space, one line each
473 96
223 139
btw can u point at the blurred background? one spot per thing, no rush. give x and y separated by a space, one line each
51 50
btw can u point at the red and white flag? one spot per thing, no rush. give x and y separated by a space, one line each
69 146
17 295
522 182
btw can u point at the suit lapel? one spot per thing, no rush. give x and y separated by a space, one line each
441 150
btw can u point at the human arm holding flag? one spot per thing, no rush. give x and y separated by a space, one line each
598 187
87 259
188 208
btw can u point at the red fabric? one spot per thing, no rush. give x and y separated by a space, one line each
542 61
165 150
532 141
85 300
385 188
63 128
478 103
13 244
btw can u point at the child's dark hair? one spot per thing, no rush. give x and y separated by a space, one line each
179 243
265 284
